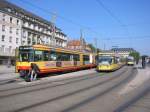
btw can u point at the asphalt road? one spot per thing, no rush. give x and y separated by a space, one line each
93 92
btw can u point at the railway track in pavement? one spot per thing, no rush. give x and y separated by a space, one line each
92 83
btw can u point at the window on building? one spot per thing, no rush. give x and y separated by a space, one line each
29 24
23 42
3 38
24 22
3 27
10 30
29 41
10 49
8 9
2 48
24 34
10 39
17 22
17 40
11 19
4 17
17 31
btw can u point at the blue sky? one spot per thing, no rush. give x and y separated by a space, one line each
128 26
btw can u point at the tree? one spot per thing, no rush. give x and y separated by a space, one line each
92 47
136 56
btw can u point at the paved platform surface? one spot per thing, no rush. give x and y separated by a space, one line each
142 77
5 69
142 102
7 72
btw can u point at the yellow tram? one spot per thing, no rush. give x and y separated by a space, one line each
109 63
130 60
50 59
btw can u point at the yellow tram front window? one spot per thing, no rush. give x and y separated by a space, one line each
105 60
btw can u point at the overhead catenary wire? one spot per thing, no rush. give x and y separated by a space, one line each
61 17
115 18
86 27
101 4
122 38
110 12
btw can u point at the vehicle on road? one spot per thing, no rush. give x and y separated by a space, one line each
130 60
40 59
109 63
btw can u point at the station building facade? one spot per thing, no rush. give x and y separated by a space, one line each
119 52
20 27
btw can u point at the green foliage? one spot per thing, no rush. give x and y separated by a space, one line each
136 55
92 47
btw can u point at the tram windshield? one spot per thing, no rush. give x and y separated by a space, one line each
105 60
130 60
25 55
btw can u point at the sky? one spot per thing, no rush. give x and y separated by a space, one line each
120 23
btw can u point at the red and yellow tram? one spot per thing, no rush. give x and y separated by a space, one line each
50 59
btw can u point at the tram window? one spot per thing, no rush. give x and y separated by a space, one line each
86 58
53 56
76 57
25 56
105 59
38 56
46 55
65 57
58 55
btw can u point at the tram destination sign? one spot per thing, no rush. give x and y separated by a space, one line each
25 47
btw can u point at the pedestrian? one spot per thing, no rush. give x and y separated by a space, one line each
143 62
137 61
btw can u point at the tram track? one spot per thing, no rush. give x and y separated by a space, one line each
133 100
129 77
15 80
48 82
10 81
80 91
60 84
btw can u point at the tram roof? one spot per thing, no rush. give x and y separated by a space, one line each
61 49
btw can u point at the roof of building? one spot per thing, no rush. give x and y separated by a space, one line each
123 49
74 43
5 4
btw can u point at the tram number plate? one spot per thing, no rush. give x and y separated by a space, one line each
58 63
